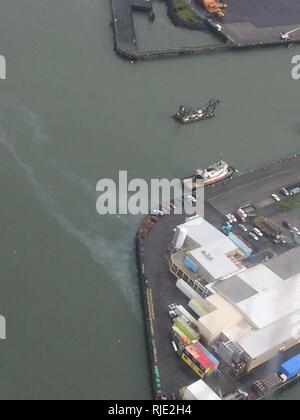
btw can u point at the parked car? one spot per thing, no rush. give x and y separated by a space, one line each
157 212
276 198
285 192
243 227
253 236
172 315
233 218
192 199
229 218
258 232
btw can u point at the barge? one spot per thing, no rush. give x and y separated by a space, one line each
187 116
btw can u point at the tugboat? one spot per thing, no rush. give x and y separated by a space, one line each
210 176
188 115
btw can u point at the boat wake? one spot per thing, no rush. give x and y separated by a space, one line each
70 199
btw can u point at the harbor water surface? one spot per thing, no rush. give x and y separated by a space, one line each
71 113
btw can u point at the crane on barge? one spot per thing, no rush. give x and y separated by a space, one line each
190 115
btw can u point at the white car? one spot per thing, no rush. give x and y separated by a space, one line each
233 218
229 218
276 198
191 198
252 234
258 232
243 227
157 212
172 307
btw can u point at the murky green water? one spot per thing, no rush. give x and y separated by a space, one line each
71 112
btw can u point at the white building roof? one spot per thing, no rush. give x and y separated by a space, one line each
213 249
201 392
260 278
202 232
268 307
218 264
238 331
272 337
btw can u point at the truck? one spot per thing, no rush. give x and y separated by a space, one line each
241 215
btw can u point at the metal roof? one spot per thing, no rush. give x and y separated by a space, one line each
235 289
213 248
201 392
248 283
202 232
260 278
266 308
214 259
286 265
270 338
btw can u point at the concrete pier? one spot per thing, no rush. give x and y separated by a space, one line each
123 25
247 25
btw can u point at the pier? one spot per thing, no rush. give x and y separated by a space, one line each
247 25
168 373
123 25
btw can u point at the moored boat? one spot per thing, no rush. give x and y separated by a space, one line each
213 174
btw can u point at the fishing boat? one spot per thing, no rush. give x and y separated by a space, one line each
213 174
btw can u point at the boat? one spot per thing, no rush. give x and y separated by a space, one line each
213 174
189 115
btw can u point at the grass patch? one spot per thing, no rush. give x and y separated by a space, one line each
185 13
290 203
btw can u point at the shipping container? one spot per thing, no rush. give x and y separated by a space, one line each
197 308
181 311
241 245
291 368
182 324
187 290
202 358
191 265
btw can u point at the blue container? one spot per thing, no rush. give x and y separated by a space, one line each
227 229
191 265
291 368
241 245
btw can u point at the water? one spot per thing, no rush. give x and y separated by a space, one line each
71 113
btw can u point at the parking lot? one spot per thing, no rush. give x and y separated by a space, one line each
253 193
260 20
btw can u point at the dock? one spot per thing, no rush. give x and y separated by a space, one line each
123 25
168 373
247 25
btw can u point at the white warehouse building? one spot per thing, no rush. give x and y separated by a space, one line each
256 309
